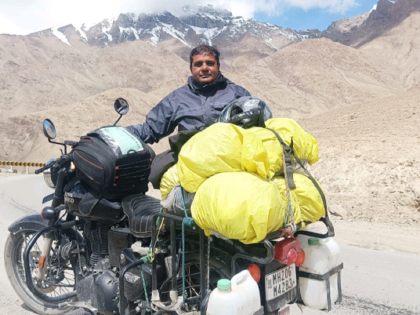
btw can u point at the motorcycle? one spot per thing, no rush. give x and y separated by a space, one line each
128 256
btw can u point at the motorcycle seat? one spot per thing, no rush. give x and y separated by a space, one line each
140 210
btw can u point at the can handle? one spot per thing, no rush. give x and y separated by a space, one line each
240 278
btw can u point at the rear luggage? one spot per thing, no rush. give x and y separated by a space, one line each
113 162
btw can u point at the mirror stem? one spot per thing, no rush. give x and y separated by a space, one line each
65 147
117 120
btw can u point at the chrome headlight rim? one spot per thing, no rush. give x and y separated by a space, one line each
48 176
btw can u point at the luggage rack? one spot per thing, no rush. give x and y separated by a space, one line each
203 298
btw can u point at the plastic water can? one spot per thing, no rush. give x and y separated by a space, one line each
239 296
321 256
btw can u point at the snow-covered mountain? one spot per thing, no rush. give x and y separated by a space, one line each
197 25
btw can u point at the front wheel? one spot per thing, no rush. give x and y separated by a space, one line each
59 278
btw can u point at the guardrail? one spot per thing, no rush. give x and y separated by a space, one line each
27 164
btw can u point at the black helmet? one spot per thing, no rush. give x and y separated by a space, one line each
246 111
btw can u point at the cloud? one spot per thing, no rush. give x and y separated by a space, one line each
25 16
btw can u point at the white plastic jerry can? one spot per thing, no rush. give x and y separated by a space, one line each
238 296
321 256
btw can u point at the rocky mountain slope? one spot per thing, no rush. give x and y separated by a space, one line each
369 163
364 28
39 72
196 25
318 75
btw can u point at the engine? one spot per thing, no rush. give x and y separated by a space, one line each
96 234
100 288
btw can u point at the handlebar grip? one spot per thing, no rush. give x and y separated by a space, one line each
40 170
60 163
45 167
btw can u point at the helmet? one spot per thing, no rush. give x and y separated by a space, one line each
246 112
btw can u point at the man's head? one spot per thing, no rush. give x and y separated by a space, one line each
204 63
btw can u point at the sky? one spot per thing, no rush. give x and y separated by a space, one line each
22 17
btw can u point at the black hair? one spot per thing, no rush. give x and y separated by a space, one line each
204 49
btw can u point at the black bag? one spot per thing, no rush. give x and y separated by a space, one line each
83 203
113 162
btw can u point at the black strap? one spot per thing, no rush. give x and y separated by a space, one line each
288 152
321 193
292 152
326 219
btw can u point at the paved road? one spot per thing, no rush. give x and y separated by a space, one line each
374 282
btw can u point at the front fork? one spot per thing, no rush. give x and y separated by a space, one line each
39 273
51 214
47 301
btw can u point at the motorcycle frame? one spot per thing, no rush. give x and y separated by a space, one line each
58 301
54 302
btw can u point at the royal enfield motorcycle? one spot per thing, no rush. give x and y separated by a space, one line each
124 254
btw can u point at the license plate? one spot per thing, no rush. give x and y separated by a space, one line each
280 282
285 311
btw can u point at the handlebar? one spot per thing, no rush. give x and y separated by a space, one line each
71 143
66 158
46 167
55 166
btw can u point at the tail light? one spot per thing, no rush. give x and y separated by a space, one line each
300 258
289 252
255 272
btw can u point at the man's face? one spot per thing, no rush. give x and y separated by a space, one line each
204 68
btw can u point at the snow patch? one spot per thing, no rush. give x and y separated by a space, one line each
129 30
288 35
239 21
60 36
79 28
374 8
155 36
106 27
270 42
168 28
209 33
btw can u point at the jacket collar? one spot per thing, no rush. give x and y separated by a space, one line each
196 86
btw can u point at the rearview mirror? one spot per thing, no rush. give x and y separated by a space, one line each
49 129
121 106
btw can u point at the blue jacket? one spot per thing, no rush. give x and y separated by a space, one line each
191 107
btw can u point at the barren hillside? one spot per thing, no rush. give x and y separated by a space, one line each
399 48
369 162
22 138
318 75
39 71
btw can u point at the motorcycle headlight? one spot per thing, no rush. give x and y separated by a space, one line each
50 178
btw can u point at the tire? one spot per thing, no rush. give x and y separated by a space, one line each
13 262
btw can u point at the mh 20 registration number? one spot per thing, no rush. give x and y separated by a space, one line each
279 282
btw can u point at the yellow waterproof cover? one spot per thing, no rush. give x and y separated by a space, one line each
221 148
304 144
306 200
168 181
239 206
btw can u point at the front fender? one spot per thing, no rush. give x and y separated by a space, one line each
35 222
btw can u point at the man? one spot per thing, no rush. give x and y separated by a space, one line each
194 106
